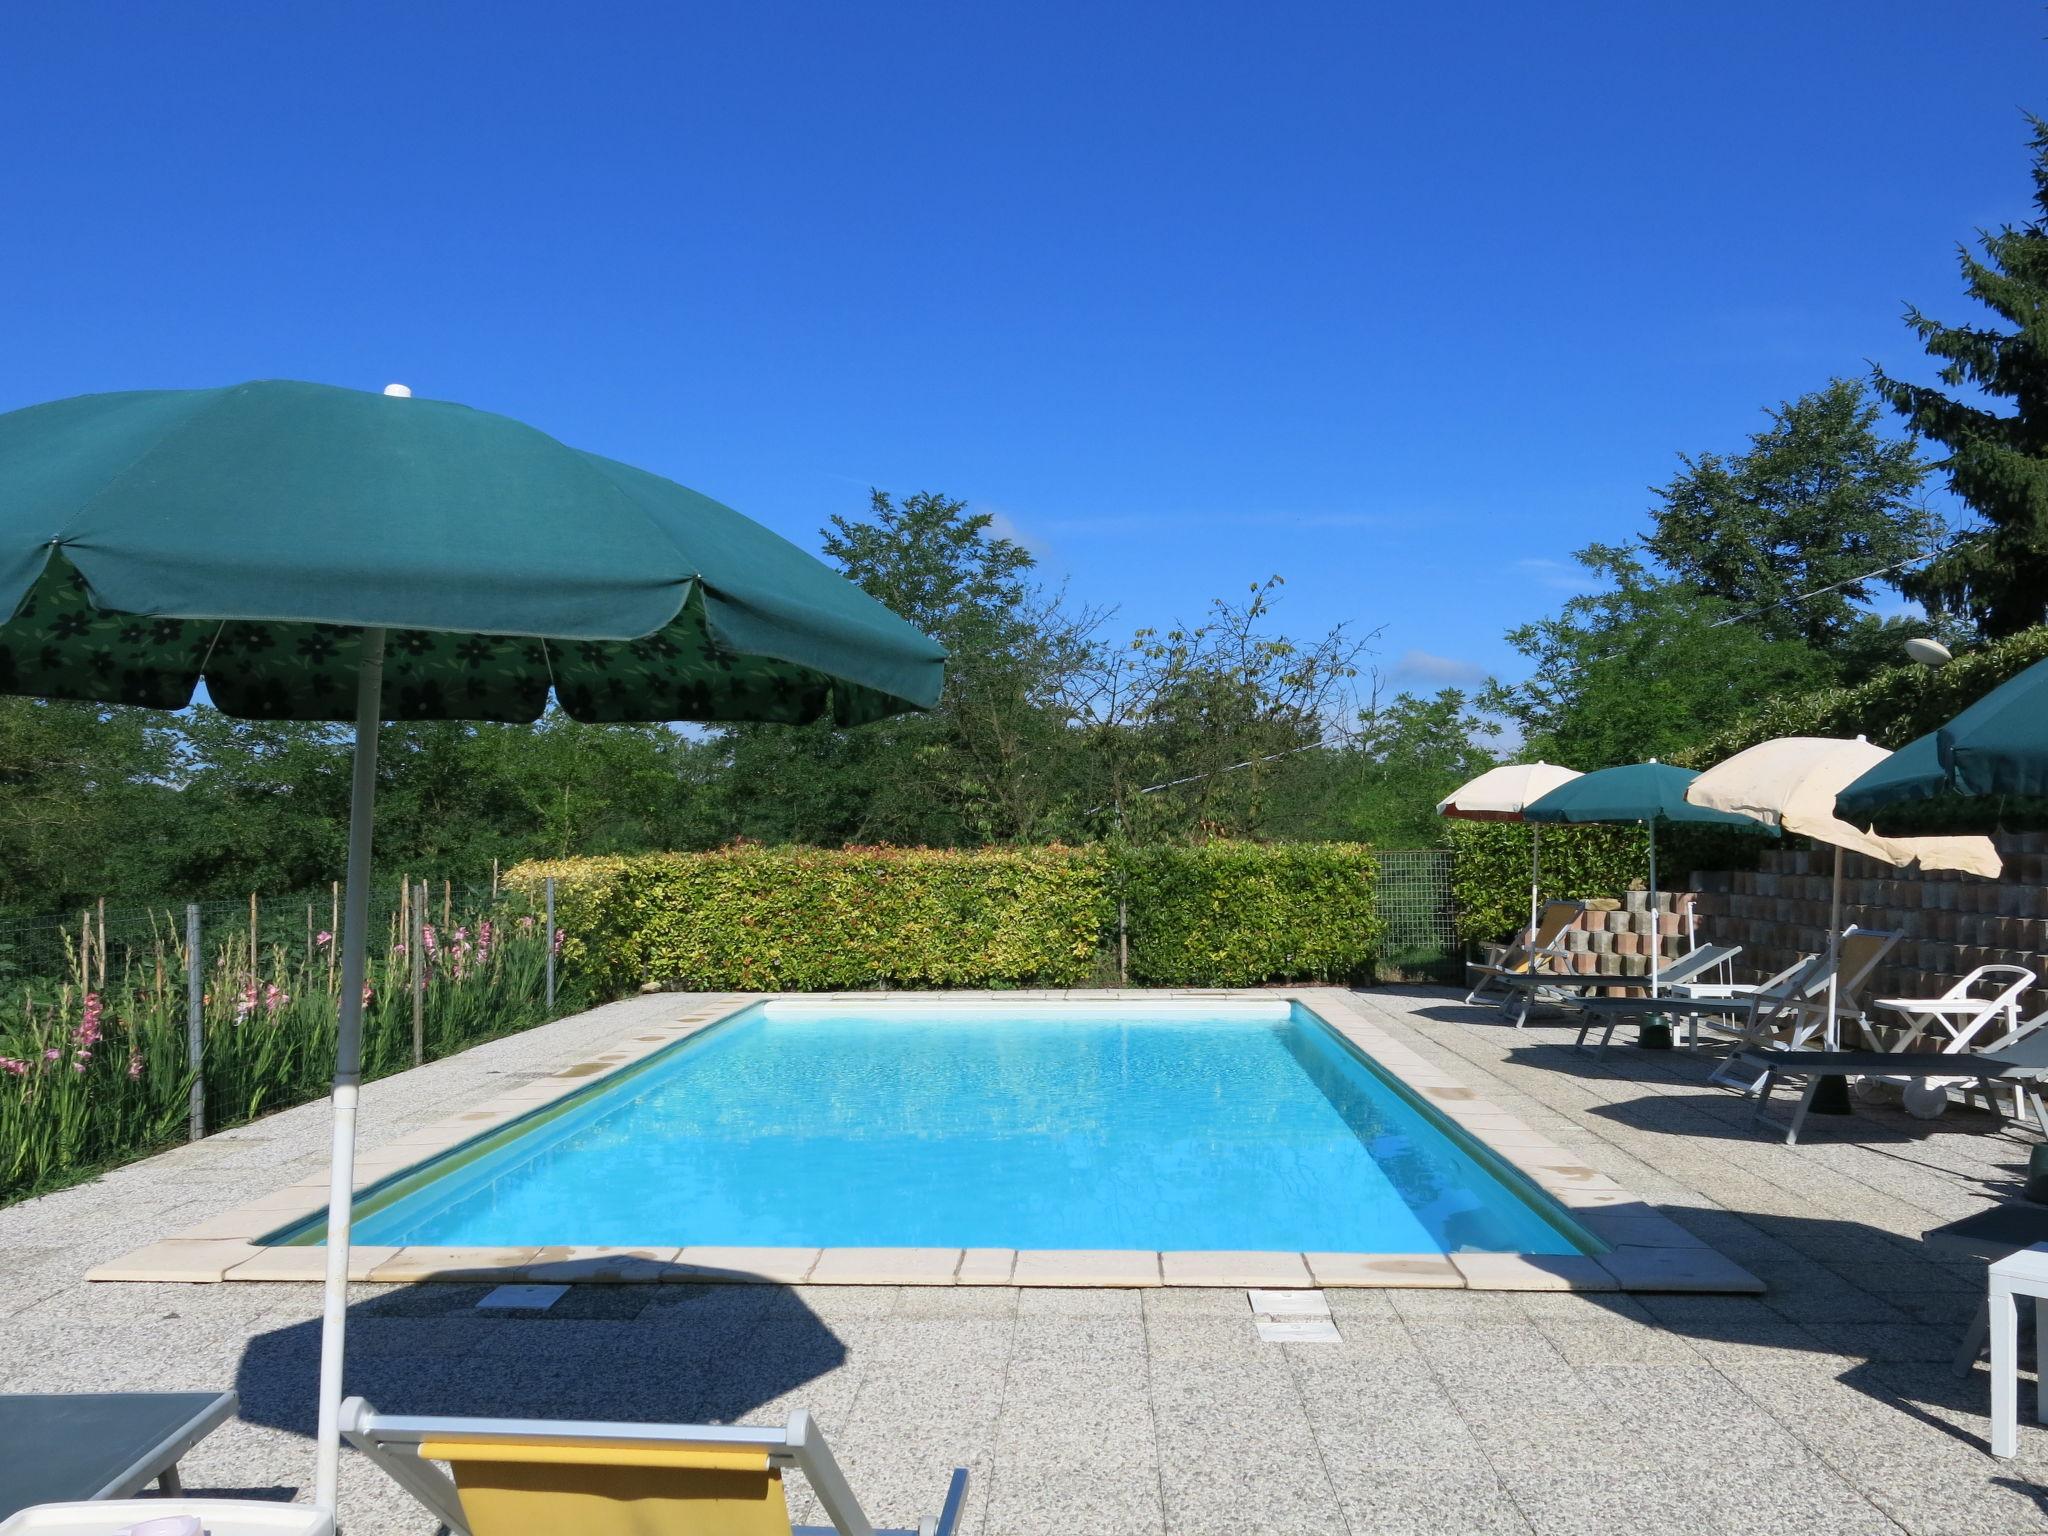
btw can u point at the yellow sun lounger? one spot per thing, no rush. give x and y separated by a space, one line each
522 1477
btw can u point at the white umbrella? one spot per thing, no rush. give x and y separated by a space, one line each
1502 794
1792 782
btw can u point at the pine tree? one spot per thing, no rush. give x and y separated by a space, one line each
1997 463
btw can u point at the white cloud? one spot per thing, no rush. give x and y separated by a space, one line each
1004 526
1424 667
1558 575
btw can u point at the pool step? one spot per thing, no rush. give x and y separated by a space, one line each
1293 1317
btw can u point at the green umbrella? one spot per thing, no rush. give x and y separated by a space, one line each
1651 794
313 553
1985 769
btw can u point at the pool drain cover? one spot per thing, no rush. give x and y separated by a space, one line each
1293 1317
522 1298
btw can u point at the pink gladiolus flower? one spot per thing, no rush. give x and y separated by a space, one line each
526 922
322 939
134 1064
87 1035
558 940
427 939
13 1066
52 1054
80 1064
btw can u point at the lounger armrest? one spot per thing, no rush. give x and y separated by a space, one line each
948 1522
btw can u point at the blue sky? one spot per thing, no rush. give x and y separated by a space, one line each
1403 304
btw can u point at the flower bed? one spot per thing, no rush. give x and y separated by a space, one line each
94 1069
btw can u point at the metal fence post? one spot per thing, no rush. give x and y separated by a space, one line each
195 1044
551 942
416 946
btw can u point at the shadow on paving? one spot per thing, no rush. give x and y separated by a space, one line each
645 1353
1890 1305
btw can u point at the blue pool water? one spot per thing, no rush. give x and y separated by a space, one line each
1244 1125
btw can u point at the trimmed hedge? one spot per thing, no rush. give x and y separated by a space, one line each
1490 869
752 918
1238 914
761 919
1892 708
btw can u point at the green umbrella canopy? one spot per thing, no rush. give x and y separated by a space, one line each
246 535
1985 769
314 553
1646 792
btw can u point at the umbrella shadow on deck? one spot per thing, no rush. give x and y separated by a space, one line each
647 1353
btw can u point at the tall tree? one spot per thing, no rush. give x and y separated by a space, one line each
981 766
1790 530
1997 460
1643 668
1410 754
1187 729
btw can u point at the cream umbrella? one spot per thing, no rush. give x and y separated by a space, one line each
1502 794
1792 782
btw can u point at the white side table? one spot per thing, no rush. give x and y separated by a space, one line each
2024 1273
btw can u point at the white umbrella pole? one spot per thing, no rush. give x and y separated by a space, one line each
1656 916
1535 872
1834 949
348 1066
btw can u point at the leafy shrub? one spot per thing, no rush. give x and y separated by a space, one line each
1892 708
1231 914
1490 869
750 918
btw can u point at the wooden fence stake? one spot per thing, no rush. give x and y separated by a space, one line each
416 948
195 1042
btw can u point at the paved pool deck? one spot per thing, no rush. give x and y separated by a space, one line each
1825 1405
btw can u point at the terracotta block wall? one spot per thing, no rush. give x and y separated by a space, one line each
1614 935
1950 923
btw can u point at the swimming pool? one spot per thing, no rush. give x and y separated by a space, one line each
1158 1125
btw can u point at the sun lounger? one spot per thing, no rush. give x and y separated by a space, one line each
1570 988
2023 1063
1529 955
1791 1009
1696 1001
63 1447
512 1477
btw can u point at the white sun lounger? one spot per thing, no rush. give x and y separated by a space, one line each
512 1477
1542 953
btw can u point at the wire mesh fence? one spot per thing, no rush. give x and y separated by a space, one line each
1421 918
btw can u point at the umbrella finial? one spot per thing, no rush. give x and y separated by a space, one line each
398 391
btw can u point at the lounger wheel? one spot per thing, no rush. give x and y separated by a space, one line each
1925 1101
1874 1090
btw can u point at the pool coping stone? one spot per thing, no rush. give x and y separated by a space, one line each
1644 1249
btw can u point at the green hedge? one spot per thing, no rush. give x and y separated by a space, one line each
812 920
1892 708
1490 869
808 919
1237 914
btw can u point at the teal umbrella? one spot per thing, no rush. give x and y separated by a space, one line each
1985 769
1651 794
313 553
